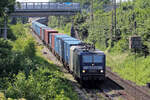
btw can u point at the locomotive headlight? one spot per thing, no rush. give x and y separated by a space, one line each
83 71
101 71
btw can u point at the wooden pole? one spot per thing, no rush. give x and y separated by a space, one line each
115 27
92 10
112 26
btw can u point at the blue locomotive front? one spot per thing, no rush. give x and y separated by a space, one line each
87 64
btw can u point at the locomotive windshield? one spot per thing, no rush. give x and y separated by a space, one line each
92 59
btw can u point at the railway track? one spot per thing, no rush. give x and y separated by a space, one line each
107 90
138 93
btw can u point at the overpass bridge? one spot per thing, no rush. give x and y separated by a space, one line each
43 9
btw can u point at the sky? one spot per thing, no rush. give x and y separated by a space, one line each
46 0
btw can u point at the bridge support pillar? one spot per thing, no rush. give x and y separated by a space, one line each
5 27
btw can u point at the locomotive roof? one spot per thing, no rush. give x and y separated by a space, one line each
82 50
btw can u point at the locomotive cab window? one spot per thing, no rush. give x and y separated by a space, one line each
87 58
98 59
92 59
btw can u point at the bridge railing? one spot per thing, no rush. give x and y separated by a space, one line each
56 6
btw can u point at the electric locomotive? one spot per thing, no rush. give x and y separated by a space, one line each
87 63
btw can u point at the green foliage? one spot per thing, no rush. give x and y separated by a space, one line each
67 28
24 42
5 56
26 46
142 3
6 5
2 96
129 68
46 82
53 22
18 30
26 74
61 23
18 58
65 23
121 46
81 26
41 84
30 49
5 48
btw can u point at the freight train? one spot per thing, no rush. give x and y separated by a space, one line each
81 59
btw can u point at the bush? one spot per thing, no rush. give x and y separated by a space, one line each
5 56
121 46
5 48
18 30
41 84
29 49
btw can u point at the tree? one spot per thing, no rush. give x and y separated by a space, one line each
81 26
6 5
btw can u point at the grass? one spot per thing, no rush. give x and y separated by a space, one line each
115 59
130 67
